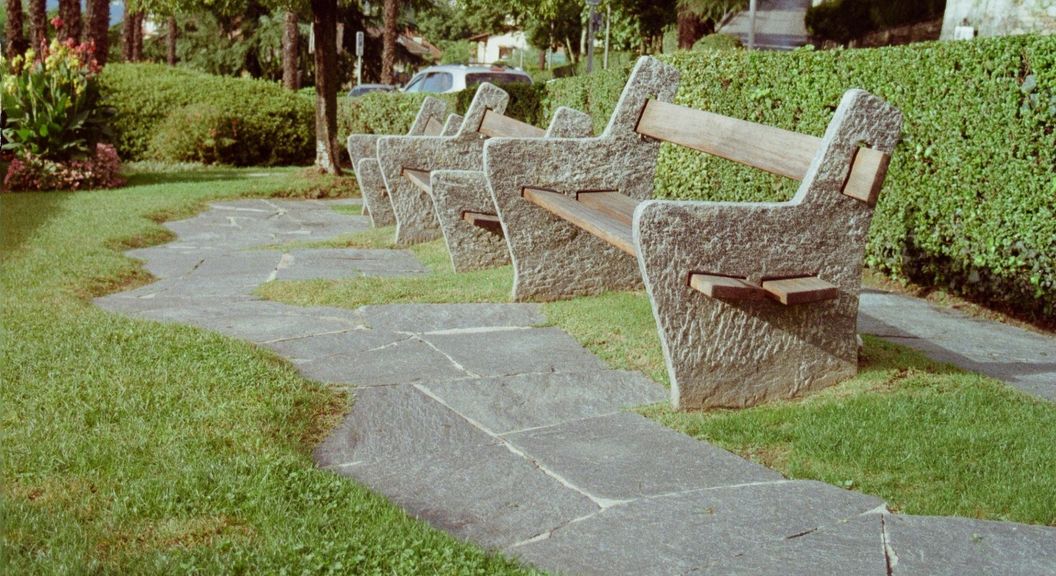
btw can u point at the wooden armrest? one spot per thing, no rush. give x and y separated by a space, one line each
609 229
419 178
803 290
726 287
489 222
610 203
495 125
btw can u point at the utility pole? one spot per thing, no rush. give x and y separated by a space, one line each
590 35
359 58
751 25
608 24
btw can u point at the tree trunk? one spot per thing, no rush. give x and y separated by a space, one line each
98 28
137 37
128 23
324 25
690 29
70 13
16 39
388 48
291 41
38 25
170 41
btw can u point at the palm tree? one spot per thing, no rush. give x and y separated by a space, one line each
16 40
290 51
38 24
98 28
70 12
388 49
324 25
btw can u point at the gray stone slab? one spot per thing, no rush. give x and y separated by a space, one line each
512 403
396 424
501 352
682 533
334 263
421 318
627 456
1024 359
257 264
166 263
403 362
485 494
316 347
256 320
935 546
852 547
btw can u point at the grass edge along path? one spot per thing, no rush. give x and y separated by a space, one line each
927 437
130 446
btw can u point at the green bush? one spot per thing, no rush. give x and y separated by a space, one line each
199 132
274 126
717 42
845 20
970 199
525 101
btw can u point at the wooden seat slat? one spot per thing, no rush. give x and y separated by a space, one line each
610 203
867 175
804 290
609 229
433 127
496 125
489 222
727 288
419 178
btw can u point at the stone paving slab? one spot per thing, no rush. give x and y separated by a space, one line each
337 263
513 403
1024 359
514 351
940 546
615 457
406 361
421 318
683 533
319 346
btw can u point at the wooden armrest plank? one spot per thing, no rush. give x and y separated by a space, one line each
607 228
433 127
610 203
804 290
488 222
774 150
726 288
419 178
494 125
867 175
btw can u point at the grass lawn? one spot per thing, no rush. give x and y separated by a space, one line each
136 447
927 437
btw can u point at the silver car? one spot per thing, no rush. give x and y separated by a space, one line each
457 77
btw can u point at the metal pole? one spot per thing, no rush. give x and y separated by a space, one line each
608 21
751 25
590 40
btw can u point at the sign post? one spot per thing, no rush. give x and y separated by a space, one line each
359 58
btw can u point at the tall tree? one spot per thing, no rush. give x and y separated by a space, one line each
70 13
137 36
388 48
38 25
98 29
291 44
16 39
170 41
324 25
128 21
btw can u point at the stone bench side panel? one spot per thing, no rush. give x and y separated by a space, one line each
376 203
415 215
736 353
456 192
553 259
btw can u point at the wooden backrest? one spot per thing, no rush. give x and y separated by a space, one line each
433 127
767 148
495 124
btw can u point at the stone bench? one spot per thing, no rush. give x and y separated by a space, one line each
458 205
753 301
363 151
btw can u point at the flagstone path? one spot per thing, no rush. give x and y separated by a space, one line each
477 420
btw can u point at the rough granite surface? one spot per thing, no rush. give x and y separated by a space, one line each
456 192
737 353
363 150
553 259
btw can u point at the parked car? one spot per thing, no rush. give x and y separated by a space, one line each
458 77
368 88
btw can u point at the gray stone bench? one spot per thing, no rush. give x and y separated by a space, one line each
753 301
363 151
457 205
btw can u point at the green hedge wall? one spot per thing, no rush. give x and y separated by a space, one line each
970 199
271 125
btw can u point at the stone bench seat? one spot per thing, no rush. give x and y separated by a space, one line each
437 186
753 301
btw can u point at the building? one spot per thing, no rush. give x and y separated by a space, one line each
492 48
969 18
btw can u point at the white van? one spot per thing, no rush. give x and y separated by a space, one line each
457 77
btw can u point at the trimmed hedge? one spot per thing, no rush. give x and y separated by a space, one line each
268 125
970 199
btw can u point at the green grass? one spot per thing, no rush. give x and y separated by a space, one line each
135 447
928 438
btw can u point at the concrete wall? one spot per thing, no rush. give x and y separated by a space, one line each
1000 17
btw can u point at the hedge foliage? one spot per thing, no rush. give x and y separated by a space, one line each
268 125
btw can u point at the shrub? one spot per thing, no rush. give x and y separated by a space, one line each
201 133
717 42
525 101
275 125
970 199
32 172
51 103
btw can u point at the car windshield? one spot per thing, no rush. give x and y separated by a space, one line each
415 85
437 82
497 78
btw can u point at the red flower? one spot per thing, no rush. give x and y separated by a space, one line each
56 22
